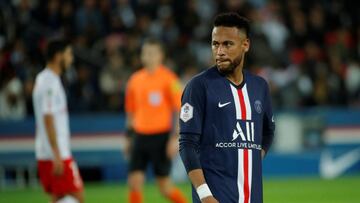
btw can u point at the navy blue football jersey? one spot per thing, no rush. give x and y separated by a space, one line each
234 123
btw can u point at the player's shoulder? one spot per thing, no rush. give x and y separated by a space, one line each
46 77
137 75
168 74
167 71
205 75
197 79
201 79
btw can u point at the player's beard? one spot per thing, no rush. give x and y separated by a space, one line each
230 69
63 65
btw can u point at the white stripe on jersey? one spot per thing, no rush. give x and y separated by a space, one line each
250 171
240 179
236 102
247 102
248 131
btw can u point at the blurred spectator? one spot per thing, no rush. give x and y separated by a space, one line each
317 24
353 82
12 103
89 21
191 20
23 12
113 79
126 13
298 29
82 92
52 18
260 53
67 19
337 77
164 27
274 28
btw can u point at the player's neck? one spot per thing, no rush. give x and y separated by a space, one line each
54 67
237 76
237 79
152 68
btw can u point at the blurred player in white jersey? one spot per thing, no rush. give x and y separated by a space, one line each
58 172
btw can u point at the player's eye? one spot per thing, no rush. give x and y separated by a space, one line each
228 43
215 44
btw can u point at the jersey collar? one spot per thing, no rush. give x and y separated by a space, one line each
148 72
227 80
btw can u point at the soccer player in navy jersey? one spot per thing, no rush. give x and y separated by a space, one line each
226 121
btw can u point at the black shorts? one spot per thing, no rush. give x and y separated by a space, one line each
150 148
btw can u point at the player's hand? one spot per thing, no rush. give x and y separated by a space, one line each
127 148
263 154
172 147
58 166
209 199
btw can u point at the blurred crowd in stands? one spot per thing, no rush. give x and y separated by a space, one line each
309 51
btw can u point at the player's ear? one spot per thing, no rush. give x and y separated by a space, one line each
246 44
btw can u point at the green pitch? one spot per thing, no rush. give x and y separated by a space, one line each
306 190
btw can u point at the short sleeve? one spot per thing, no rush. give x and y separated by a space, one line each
193 104
48 99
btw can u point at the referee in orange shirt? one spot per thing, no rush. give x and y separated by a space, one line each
153 98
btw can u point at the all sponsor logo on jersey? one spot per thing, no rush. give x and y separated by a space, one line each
241 138
239 132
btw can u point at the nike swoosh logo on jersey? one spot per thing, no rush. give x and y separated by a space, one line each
220 105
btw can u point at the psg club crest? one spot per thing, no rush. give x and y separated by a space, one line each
258 106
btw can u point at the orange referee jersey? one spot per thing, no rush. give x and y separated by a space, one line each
152 98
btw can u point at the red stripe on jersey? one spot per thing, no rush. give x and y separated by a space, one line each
246 176
242 104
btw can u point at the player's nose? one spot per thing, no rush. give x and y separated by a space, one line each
220 51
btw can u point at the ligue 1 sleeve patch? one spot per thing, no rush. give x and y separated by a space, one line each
186 112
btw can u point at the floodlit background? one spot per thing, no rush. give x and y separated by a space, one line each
308 51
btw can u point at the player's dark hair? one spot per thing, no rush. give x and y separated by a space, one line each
55 46
232 19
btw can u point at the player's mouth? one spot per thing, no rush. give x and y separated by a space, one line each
222 62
